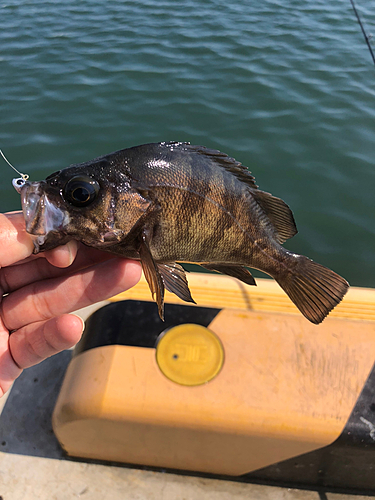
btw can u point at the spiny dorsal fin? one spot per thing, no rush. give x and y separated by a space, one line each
278 213
230 164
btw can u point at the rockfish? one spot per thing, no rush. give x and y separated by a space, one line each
172 202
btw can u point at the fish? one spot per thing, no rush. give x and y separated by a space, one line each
169 203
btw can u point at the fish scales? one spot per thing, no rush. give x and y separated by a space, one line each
213 204
166 203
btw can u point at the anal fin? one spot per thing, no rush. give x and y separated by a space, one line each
175 281
239 272
152 276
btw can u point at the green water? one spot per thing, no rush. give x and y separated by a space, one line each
286 87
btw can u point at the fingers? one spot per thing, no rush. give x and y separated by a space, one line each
9 370
62 256
15 277
33 343
15 243
42 293
45 299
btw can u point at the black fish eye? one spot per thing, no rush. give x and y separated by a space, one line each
80 191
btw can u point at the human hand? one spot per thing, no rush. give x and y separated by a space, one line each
37 292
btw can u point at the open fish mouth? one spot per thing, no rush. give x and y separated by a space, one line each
42 216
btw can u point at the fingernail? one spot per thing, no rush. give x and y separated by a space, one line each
72 249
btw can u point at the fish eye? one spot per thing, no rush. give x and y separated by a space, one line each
80 191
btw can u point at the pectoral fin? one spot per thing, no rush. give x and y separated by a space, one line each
239 272
152 276
175 280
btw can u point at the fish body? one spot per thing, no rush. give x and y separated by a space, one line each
166 203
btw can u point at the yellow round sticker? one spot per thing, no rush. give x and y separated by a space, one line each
189 354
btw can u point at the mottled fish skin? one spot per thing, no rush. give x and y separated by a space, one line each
173 202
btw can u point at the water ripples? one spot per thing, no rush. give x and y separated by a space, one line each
285 87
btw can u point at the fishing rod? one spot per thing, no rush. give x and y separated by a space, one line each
367 38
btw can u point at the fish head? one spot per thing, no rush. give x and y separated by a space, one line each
94 203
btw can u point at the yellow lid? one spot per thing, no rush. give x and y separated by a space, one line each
189 354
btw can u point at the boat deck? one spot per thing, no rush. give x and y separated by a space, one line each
33 465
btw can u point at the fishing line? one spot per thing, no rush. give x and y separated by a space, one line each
24 176
367 38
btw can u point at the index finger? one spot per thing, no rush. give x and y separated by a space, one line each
15 243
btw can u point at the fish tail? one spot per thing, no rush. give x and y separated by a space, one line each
313 288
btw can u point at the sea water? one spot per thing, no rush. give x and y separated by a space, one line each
285 87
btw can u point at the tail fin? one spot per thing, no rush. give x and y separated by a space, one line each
313 288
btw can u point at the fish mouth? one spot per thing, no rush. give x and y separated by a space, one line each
42 216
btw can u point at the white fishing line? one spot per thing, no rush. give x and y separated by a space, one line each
24 176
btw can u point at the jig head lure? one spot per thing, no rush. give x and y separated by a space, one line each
20 181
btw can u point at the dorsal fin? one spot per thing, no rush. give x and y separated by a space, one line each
278 213
230 164
276 210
